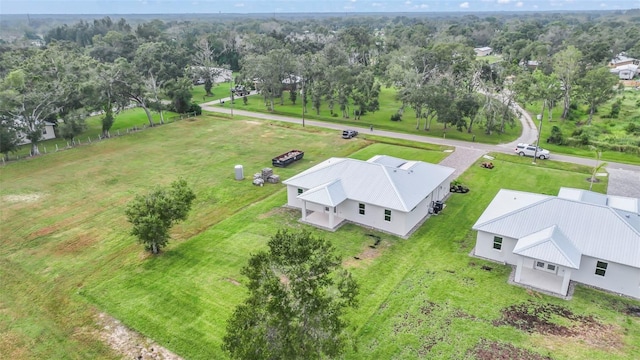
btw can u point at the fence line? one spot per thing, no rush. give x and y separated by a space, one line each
77 141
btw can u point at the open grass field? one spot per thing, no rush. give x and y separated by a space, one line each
66 254
124 120
379 119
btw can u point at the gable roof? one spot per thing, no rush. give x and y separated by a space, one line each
385 181
549 245
599 231
330 194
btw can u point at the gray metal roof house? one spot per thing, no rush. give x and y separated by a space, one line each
387 193
579 235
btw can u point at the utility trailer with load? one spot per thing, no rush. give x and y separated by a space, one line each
287 158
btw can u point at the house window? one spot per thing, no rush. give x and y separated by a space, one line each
300 191
601 268
387 215
497 243
361 209
44 131
541 265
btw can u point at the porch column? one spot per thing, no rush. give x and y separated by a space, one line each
331 218
516 278
304 210
565 281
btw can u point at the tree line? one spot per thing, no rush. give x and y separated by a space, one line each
337 63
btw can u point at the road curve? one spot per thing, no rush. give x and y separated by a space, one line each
625 179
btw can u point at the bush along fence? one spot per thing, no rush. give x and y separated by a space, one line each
20 154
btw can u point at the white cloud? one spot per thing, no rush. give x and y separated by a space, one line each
348 7
519 4
408 2
354 0
504 1
424 6
464 5
603 5
239 5
376 4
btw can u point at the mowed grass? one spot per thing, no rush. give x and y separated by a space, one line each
63 226
125 120
380 119
67 254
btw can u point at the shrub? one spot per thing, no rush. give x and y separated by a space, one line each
615 109
396 117
556 136
195 108
632 129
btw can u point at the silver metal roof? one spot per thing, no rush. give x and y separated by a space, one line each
385 181
330 194
549 245
595 230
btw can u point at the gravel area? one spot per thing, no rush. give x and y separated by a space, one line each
623 182
461 159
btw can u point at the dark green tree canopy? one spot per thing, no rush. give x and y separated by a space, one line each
152 215
297 296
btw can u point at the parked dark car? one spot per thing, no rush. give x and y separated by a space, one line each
348 134
240 91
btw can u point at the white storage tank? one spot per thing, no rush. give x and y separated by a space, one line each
239 172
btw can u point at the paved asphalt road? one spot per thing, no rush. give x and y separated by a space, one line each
624 178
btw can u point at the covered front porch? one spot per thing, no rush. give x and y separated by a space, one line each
536 274
326 220
319 205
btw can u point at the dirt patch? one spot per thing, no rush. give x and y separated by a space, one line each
558 322
278 211
75 245
233 281
366 256
26 198
632 311
129 343
491 350
253 122
539 318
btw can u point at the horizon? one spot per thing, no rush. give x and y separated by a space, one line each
259 7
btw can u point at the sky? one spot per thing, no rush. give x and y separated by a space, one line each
299 6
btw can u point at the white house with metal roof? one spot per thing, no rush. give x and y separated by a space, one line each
579 235
387 193
483 51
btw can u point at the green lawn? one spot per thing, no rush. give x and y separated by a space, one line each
125 120
379 119
66 254
219 91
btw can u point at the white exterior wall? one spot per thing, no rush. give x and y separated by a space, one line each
420 211
292 200
618 278
374 217
626 74
47 134
484 248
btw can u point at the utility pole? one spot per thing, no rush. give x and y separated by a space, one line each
535 154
